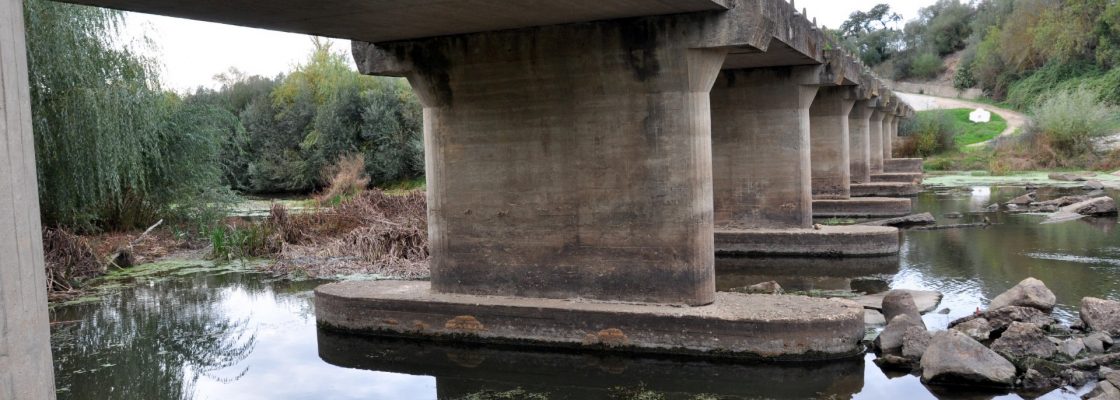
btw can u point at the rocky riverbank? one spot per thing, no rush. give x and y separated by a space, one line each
1015 344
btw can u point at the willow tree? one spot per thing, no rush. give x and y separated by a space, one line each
111 145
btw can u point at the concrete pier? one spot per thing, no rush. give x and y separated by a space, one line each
875 143
761 168
859 140
26 372
903 165
831 149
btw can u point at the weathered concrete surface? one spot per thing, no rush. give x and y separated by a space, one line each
903 165
830 154
885 189
805 273
888 135
25 352
859 141
875 143
760 160
461 372
828 241
735 325
568 161
863 207
385 20
903 177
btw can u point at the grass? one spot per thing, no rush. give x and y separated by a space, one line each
969 133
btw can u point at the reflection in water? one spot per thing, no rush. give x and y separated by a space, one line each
461 370
242 336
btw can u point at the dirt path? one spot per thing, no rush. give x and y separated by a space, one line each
1015 120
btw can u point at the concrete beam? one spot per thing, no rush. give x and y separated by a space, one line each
389 20
26 372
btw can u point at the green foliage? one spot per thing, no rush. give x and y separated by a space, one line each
968 132
964 79
870 34
112 149
1069 120
930 132
926 66
943 27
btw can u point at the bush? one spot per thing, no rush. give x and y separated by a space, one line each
1070 120
929 133
926 66
346 178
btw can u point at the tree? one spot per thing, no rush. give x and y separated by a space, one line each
871 34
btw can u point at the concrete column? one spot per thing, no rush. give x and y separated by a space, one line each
567 161
859 141
875 160
760 134
888 135
25 351
830 156
894 134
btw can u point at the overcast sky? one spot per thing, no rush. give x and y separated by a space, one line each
193 52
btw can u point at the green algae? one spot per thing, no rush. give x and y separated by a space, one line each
117 279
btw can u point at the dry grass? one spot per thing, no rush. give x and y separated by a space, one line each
69 259
345 179
373 233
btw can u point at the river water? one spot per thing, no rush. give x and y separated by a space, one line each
236 335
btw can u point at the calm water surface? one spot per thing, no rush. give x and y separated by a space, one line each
246 336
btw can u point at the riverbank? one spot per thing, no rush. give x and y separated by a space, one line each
937 179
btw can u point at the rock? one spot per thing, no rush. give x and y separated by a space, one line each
1062 201
1092 185
1065 176
1111 376
953 215
1030 292
907 221
1093 344
1024 199
1022 340
1099 206
977 329
955 359
899 302
1062 216
925 300
945 311
890 340
915 342
1000 319
873 318
1037 382
1104 391
893 362
1071 347
992 207
1101 315
765 288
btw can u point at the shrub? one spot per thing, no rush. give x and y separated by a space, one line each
345 179
926 66
1070 120
929 133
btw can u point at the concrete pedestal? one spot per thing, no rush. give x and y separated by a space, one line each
734 326
886 189
899 177
903 165
26 372
862 207
828 241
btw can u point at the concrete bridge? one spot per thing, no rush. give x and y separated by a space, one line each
601 150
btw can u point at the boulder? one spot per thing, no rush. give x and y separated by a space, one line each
890 340
1093 344
1092 185
1098 206
1112 377
899 302
955 359
1024 199
1034 381
925 300
1071 347
1067 177
915 342
992 207
1062 201
1104 391
977 329
765 288
1022 340
1060 216
1030 292
873 318
1000 319
1101 315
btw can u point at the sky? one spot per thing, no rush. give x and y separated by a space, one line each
193 52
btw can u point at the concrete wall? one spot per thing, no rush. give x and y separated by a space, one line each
859 141
936 90
760 162
568 161
25 352
831 151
